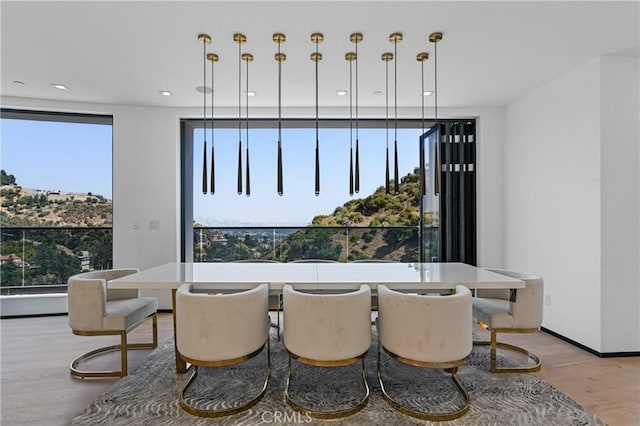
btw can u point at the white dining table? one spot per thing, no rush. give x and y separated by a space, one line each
226 277
315 276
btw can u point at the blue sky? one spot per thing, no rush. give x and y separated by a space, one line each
70 157
75 157
299 204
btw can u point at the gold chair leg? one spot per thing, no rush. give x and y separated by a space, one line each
225 412
123 347
329 414
494 345
438 417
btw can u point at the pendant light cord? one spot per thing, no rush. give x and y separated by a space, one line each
422 97
357 125
386 91
212 184
279 96
279 180
317 90
350 105
239 91
395 88
204 88
212 80
247 171
350 59
247 105
239 40
204 114
317 176
435 77
387 184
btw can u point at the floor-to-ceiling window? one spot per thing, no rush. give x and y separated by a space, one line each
56 200
370 224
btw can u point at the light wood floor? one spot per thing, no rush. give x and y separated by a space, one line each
36 388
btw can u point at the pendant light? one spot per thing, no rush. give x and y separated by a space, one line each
239 38
421 57
317 57
357 38
205 39
435 38
395 38
350 56
212 185
247 57
386 57
280 58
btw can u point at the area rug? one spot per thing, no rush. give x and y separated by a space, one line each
149 395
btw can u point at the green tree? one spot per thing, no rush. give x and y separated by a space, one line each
6 179
11 274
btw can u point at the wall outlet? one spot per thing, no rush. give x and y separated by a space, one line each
547 299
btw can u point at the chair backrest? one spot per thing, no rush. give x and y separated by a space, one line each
254 261
327 327
373 261
528 307
217 327
88 296
426 328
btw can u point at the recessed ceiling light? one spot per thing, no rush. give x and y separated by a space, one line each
59 86
251 93
427 93
342 92
18 82
165 93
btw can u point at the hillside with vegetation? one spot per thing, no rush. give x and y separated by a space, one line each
378 226
388 222
45 237
380 208
26 207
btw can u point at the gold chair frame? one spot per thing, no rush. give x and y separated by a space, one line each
334 363
122 347
225 363
450 367
494 345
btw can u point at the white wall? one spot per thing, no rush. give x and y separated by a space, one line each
146 170
146 175
620 135
564 196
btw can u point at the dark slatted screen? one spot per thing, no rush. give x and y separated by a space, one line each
457 152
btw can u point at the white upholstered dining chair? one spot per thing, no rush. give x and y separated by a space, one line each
510 311
429 331
220 330
314 261
327 330
275 301
95 310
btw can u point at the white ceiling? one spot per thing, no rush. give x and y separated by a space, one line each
125 52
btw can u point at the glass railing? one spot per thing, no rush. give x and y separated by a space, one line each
286 244
40 260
